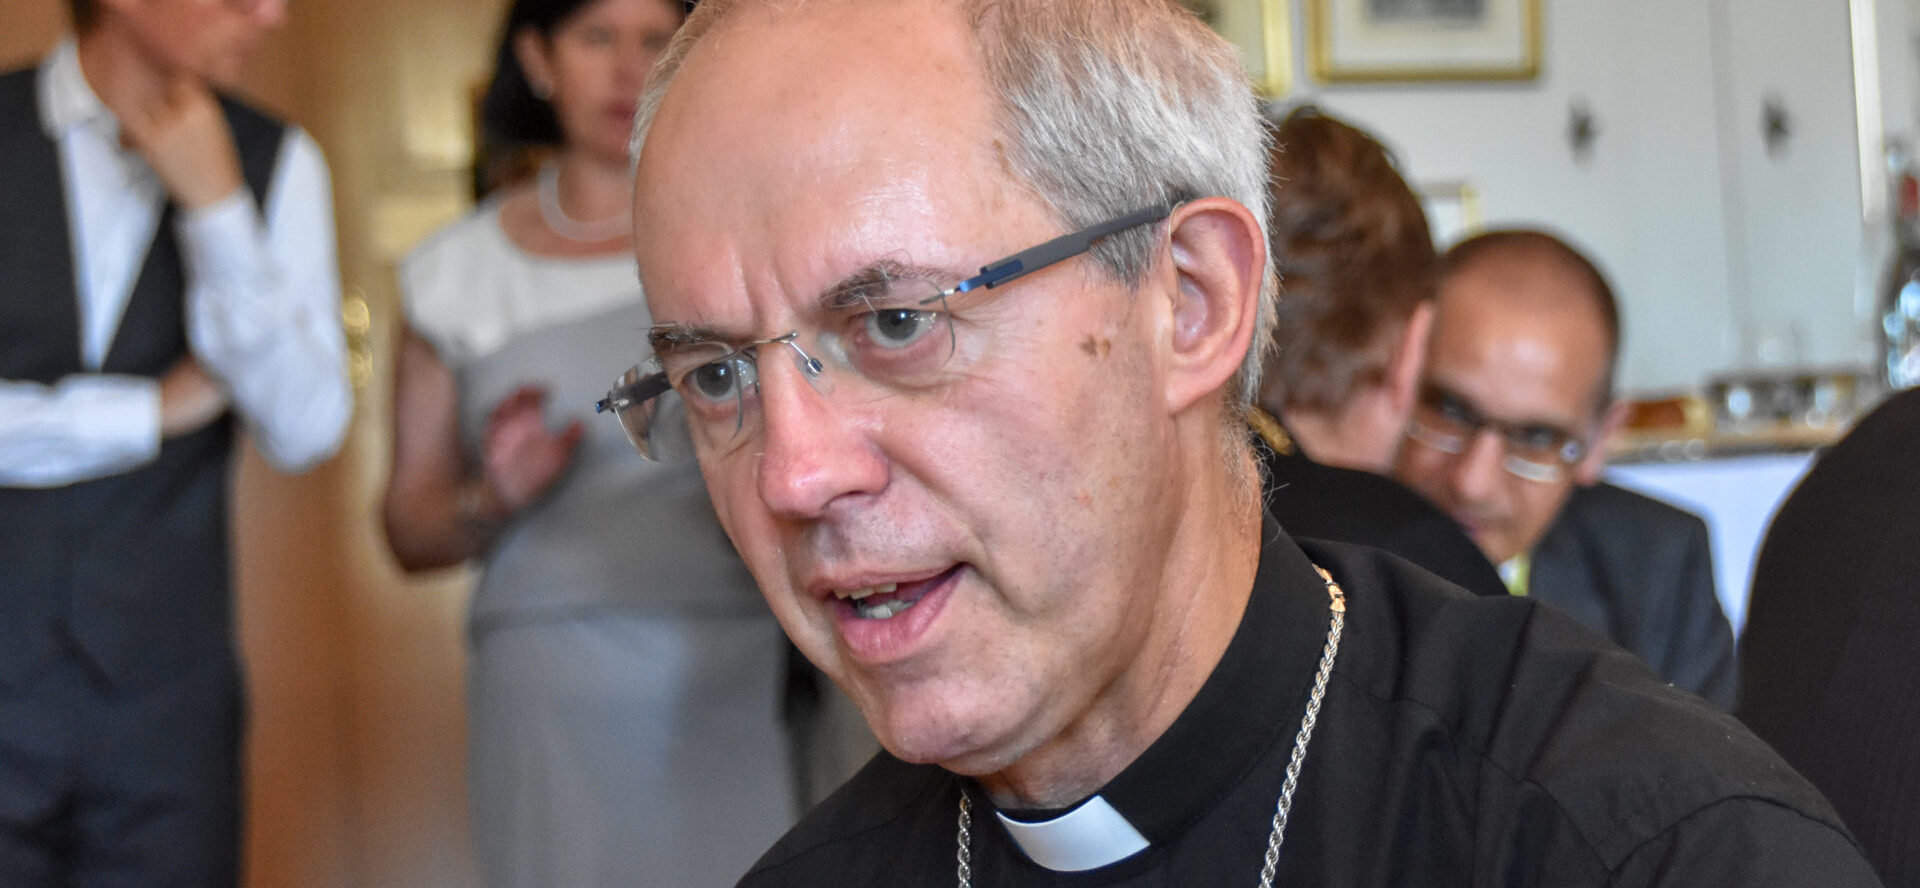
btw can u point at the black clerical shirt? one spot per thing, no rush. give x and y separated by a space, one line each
1463 741
1317 501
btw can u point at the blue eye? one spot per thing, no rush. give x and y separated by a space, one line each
717 380
899 327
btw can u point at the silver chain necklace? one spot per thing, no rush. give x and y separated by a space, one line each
1337 605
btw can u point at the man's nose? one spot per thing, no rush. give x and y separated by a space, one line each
812 451
1481 467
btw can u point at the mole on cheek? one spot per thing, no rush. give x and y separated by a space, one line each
1096 347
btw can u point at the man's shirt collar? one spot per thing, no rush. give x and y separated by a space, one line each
1090 836
66 101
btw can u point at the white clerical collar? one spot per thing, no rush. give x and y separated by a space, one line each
1087 837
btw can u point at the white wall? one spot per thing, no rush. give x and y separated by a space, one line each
1708 236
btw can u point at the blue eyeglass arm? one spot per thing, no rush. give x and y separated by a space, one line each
637 392
1060 248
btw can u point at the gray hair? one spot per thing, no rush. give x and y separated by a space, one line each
1106 106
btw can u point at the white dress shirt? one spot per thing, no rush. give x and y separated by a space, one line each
262 304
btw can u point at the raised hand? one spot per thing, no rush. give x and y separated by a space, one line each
522 458
184 137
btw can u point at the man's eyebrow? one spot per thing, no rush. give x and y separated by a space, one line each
872 282
1435 391
669 338
859 289
1431 390
1545 429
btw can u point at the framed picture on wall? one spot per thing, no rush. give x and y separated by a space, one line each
1263 31
1401 40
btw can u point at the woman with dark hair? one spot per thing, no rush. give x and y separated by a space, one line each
624 673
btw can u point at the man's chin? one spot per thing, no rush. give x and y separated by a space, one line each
1489 543
226 73
224 79
962 742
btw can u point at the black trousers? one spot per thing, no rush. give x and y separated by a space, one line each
121 787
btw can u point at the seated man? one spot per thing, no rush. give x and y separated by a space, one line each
1016 515
1510 435
1357 270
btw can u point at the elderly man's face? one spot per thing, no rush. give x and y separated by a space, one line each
1531 370
1019 510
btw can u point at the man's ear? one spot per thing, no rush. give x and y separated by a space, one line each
1408 358
1219 257
1587 471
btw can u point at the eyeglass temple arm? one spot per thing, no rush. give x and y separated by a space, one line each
636 392
1060 248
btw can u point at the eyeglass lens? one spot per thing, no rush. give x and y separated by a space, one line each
884 343
893 335
1447 423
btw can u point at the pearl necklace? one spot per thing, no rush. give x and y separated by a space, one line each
1337 606
547 186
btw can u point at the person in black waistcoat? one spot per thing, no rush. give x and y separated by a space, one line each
1827 663
1357 270
166 267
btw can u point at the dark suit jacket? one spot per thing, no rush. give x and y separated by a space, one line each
1640 572
1831 655
1321 502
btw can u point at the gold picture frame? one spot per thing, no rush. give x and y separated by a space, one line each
1371 41
1263 30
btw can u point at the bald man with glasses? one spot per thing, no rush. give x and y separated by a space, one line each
1509 436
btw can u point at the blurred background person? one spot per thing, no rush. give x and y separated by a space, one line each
1509 436
1828 669
1357 272
624 673
166 265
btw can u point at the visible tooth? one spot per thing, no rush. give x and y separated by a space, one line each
885 610
857 594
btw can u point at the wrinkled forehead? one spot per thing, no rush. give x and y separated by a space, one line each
792 149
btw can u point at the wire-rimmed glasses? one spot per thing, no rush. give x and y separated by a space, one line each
889 331
1446 422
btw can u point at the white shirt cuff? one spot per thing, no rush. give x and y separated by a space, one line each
86 427
224 244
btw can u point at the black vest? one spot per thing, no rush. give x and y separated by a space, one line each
130 571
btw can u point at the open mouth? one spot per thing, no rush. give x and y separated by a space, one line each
888 600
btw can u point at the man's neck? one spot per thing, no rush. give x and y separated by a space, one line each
1353 437
1202 595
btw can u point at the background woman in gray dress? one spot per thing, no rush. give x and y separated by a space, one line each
624 674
